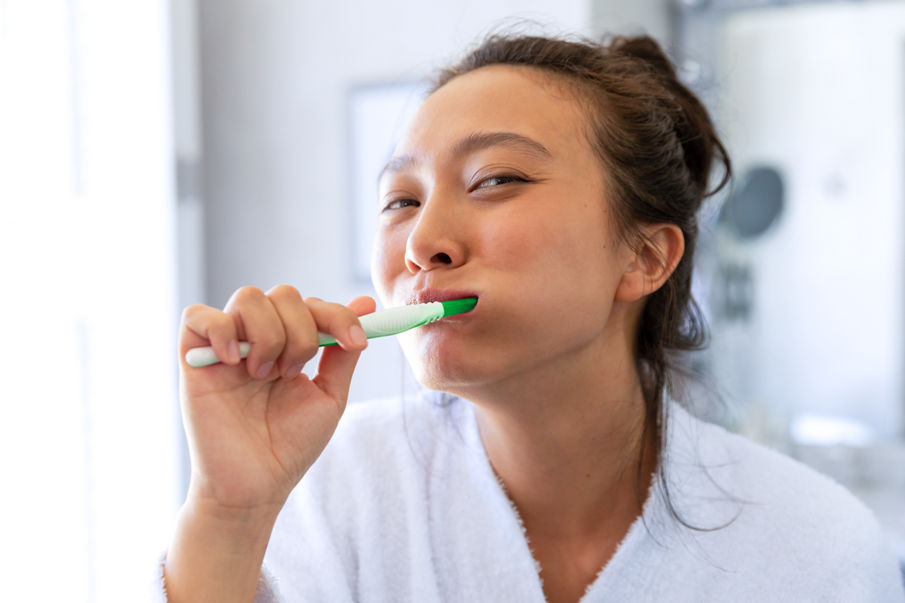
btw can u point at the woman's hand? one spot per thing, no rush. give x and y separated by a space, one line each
254 428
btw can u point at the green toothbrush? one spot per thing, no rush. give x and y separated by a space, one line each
391 321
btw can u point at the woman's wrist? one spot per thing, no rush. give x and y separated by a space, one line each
217 552
235 516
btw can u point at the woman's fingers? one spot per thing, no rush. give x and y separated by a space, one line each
362 305
300 329
339 321
263 329
281 327
203 325
334 374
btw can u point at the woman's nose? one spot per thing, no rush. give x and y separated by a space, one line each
435 240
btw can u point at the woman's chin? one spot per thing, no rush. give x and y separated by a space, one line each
444 376
449 373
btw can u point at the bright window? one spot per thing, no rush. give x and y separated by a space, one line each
88 435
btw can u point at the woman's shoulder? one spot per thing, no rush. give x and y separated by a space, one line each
788 519
756 472
772 480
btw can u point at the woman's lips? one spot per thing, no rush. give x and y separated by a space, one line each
438 295
441 295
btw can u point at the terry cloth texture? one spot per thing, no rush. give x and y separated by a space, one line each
404 506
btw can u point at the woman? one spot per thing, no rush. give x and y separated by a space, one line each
558 183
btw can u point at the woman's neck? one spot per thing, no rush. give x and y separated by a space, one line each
570 461
566 441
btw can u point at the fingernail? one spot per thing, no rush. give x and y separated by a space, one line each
264 369
293 371
357 336
233 352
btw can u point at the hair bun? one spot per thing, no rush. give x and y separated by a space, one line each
644 48
695 132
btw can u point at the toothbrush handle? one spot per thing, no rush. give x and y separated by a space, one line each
377 324
393 321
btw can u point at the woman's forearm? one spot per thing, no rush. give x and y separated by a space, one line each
216 554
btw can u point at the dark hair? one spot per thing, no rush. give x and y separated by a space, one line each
658 146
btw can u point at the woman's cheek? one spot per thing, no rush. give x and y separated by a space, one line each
513 238
382 267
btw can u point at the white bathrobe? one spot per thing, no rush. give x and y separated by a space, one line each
404 506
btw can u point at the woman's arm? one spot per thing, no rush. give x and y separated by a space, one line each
216 554
254 428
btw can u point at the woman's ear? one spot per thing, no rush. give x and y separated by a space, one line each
659 251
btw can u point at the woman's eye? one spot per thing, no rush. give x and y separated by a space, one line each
498 181
400 203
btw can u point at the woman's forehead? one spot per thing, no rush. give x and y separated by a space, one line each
518 100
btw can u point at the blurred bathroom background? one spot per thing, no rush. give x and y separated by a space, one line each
160 153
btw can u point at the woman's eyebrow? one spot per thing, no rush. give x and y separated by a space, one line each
472 143
397 163
482 140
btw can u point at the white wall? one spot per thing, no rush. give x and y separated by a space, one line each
274 80
656 18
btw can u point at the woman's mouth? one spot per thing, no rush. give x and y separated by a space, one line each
439 295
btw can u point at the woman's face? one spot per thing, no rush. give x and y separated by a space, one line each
495 192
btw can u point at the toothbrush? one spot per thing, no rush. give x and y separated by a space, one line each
391 321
